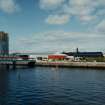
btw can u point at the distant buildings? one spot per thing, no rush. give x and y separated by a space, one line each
84 54
4 43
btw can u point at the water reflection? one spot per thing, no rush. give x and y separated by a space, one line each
4 82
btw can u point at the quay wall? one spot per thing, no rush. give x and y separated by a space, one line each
72 64
55 64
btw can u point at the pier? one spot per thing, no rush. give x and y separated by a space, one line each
14 62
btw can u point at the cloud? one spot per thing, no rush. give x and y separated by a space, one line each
84 10
100 28
8 6
50 4
57 19
87 18
53 41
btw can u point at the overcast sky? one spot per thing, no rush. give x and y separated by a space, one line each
54 25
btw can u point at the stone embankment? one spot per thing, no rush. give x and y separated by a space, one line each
72 64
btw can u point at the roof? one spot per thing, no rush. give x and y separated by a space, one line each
84 54
59 54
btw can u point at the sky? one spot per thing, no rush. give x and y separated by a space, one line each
53 25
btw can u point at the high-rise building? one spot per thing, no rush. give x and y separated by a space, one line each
4 43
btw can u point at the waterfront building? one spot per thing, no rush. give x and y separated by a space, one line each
84 54
57 57
4 43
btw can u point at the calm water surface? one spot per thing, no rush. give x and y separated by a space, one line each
50 86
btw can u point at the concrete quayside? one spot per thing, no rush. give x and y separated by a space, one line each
72 64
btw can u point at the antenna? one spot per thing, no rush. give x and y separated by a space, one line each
77 50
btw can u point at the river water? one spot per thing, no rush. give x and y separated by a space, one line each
52 86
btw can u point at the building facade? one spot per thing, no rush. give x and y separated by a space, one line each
57 57
4 43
